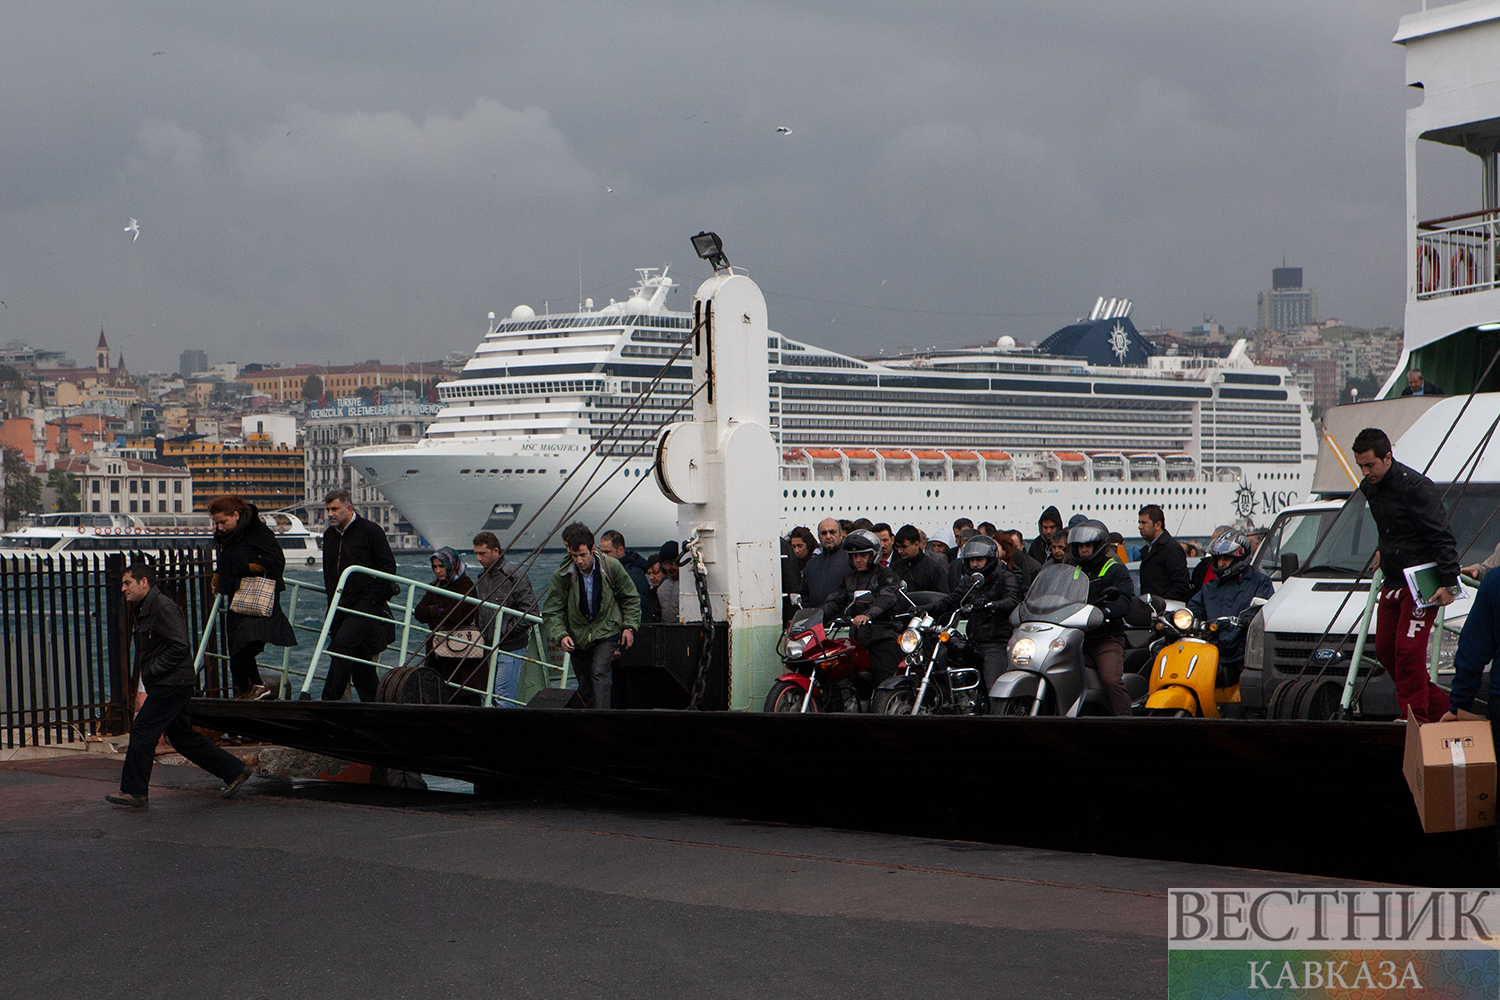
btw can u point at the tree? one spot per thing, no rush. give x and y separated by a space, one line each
66 485
365 394
312 388
11 378
23 491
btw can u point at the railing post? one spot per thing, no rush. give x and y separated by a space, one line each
1435 643
333 605
1359 643
284 689
411 597
208 632
119 648
499 630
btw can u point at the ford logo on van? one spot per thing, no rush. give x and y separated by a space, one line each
1325 654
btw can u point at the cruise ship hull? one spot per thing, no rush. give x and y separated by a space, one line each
448 497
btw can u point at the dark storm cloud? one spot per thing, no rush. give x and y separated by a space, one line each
341 181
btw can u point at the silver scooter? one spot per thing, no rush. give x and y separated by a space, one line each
1049 674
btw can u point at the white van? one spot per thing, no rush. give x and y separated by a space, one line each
1316 551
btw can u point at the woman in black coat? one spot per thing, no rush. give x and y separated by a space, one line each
247 547
443 612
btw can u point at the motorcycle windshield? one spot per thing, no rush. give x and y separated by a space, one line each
1056 587
804 620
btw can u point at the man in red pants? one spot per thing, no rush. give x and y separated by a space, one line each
1408 513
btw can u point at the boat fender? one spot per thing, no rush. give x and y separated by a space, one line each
83 530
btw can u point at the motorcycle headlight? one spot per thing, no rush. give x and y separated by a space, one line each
910 640
796 648
1182 619
1023 651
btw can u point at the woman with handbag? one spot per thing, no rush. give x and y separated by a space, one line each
250 567
455 648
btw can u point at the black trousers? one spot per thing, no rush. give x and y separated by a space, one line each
243 668
165 711
354 637
879 640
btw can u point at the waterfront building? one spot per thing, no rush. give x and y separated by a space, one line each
284 385
192 362
115 484
332 430
266 474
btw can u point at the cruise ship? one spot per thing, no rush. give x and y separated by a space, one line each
1089 421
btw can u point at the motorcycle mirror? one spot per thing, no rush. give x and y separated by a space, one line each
1256 602
975 579
1158 604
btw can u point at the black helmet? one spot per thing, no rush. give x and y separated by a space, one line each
980 547
1231 543
862 541
1088 532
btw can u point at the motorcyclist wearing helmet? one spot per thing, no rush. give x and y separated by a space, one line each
867 595
1228 595
1110 590
993 599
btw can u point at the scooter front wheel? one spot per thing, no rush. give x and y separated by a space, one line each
1169 713
1012 707
787 696
898 701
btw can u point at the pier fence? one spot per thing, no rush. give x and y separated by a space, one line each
65 674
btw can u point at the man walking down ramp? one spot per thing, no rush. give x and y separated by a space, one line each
163 662
591 609
352 540
1408 513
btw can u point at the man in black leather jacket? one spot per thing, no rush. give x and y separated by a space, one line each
352 540
867 596
912 564
993 600
1408 512
164 665
1164 569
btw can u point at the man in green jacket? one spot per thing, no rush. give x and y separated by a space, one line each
592 609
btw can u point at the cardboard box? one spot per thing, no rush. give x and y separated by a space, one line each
1450 767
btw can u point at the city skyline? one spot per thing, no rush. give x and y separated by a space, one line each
312 183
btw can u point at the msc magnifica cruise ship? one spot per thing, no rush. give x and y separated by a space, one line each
1089 420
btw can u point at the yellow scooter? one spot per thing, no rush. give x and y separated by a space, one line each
1184 674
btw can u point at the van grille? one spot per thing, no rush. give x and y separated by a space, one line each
1290 652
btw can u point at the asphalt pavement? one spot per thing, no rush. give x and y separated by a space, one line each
320 889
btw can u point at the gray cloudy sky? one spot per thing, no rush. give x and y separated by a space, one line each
340 181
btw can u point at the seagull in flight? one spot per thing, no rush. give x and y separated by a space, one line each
134 227
784 130
158 53
609 190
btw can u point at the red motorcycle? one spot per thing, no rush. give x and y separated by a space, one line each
824 673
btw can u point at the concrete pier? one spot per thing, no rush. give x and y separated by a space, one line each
313 888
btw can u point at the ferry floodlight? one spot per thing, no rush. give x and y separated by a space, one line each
711 248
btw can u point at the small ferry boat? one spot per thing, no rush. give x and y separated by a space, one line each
100 534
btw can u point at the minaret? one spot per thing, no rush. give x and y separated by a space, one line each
101 355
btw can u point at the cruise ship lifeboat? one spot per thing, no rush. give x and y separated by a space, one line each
933 464
965 464
828 463
1181 469
1071 465
1145 468
1108 466
897 464
863 463
796 466
998 465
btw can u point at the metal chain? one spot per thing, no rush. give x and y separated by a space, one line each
693 553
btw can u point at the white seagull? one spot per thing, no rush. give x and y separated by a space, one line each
134 227
784 130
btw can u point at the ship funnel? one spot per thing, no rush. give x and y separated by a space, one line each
1098 308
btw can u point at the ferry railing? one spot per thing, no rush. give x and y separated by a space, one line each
1456 254
409 630
295 590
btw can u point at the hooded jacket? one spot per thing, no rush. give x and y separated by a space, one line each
1040 548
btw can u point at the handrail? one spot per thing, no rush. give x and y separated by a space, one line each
1359 642
493 647
283 686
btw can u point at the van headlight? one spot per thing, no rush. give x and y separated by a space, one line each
910 640
1022 651
1447 651
796 648
1182 619
1255 644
